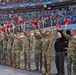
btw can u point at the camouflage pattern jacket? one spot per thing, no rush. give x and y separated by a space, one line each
72 43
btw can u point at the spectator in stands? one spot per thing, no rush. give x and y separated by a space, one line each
47 22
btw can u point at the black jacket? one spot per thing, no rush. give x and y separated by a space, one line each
59 45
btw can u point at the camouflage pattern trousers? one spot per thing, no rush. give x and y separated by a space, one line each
9 56
16 57
38 58
13 57
27 60
71 59
4 55
0 54
47 61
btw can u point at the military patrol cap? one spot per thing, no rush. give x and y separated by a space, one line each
37 34
47 31
11 33
22 33
18 33
28 30
73 30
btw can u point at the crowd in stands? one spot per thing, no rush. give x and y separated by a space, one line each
18 3
27 2
24 1
45 18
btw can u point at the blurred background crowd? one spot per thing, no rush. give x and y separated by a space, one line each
45 18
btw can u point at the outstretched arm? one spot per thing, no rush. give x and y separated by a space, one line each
23 29
35 32
40 29
65 34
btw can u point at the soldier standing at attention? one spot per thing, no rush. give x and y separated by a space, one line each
17 47
5 41
9 47
46 50
13 52
27 48
38 51
74 41
71 57
1 45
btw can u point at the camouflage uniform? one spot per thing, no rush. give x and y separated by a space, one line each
38 51
13 52
1 47
47 46
46 52
17 48
71 57
27 51
9 48
74 63
5 40
28 40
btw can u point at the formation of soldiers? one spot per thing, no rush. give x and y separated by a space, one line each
11 46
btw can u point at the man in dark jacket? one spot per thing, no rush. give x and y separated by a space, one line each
59 48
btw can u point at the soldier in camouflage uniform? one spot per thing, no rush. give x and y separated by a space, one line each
46 50
17 48
5 40
27 49
74 41
38 51
71 57
1 45
9 47
74 69
13 53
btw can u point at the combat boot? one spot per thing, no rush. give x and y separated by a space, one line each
48 72
10 65
17 65
3 62
13 65
24 68
36 69
40 70
44 73
7 62
28 68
